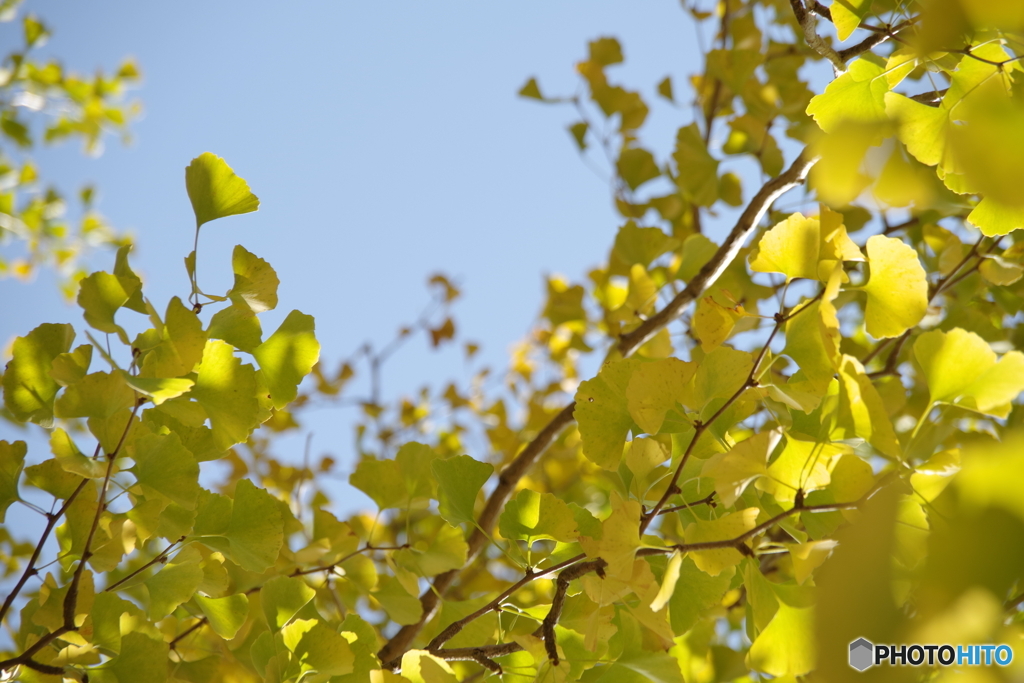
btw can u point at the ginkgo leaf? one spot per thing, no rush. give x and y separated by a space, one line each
715 561
238 326
656 387
786 646
448 550
142 658
713 323
698 592
802 465
163 466
961 368
531 516
226 389
72 459
897 289
861 410
698 170
602 413
288 356
100 395
226 615
847 15
181 347
29 390
100 296
68 368
215 191
256 281
644 455
159 389
994 218
619 538
419 666
921 128
175 583
281 599
459 480
320 649
12 460
668 582
791 247
856 96
809 556
256 529
733 470
721 374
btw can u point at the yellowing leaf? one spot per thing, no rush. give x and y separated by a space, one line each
255 281
921 128
322 650
29 389
733 470
419 666
847 15
448 550
215 191
175 583
619 540
12 460
142 658
855 96
716 560
159 389
100 395
531 516
226 389
807 557
99 296
791 247
181 346
459 480
720 374
995 218
668 583
786 646
602 415
256 530
698 170
713 323
164 467
282 597
961 368
861 410
897 289
226 615
803 465
288 356
655 388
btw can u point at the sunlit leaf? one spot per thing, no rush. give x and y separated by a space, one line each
281 599
256 530
897 289
655 388
226 389
226 615
532 516
215 191
12 460
733 470
164 467
602 413
459 480
288 356
29 389
715 561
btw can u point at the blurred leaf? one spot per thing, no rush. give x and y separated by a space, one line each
12 460
226 615
29 390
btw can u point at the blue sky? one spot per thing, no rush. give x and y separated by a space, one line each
386 143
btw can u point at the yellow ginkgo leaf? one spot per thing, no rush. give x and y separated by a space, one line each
713 323
897 289
733 525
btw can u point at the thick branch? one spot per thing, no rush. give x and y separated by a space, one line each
713 269
547 628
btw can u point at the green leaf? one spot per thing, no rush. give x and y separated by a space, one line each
100 395
255 281
29 389
721 374
786 646
164 467
175 583
448 550
636 166
401 607
459 480
238 326
602 415
142 659
226 615
656 387
215 191
619 538
181 346
68 368
897 288
733 470
961 368
697 169
72 459
12 460
160 389
698 592
49 476
100 296
635 245
282 597
319 648
531 90
256 530
642 667
665 89
668 582
732 525
288 356
532 516
226 389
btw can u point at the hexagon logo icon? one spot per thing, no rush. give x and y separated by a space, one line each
861 654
